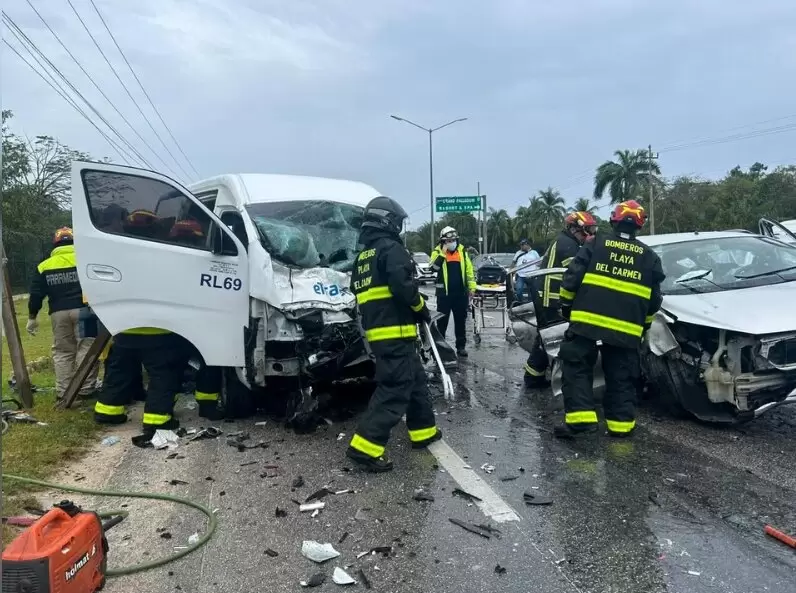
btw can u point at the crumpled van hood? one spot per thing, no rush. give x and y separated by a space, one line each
757 311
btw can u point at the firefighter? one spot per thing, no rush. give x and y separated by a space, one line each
609 293
455 285
56 280
163 355
578 227
390 306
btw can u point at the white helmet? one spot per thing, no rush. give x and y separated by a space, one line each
448 233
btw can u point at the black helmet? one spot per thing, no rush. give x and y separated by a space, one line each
386 214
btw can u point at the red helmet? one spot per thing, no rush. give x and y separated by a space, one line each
629 211
582 220
188 228
63 235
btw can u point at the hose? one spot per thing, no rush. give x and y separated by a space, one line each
211 526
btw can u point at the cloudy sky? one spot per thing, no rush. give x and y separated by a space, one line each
551 89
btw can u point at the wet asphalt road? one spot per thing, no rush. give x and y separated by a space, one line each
680 508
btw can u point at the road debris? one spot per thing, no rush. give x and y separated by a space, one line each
211 432
271 553
489 436
176 482
465 495
261 423
694 573
298 482
341 577
477 529
315 580
193 539
780 536
108 441
313 506
346 491
315 513
423 496
500 570
341 436
343 537
165 439
508 478
364 578
319 494
318 552
165 535
488 468
280 513
536 498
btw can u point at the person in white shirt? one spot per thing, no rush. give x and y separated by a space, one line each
525 255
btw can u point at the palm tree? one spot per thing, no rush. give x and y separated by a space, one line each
522 223
547 211
499 227
583 205
625 177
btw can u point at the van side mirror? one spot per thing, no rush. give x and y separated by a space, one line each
223 243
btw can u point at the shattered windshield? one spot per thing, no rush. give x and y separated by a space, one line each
309 233
728 263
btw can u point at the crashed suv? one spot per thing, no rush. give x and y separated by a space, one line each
723 345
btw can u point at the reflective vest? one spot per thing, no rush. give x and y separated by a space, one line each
614 300
56 279
465 263
558 255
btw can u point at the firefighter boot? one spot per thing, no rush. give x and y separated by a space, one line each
423 444
210 411
366 463
566 431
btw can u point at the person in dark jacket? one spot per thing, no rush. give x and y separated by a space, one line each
390 307
56 280
609 293
578 227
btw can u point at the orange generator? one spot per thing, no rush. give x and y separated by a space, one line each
65 551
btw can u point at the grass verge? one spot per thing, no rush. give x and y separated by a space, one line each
33 450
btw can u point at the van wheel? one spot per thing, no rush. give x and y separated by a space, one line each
236 399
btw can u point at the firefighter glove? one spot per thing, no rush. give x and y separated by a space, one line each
32 327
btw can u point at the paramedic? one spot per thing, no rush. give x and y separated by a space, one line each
390 306
455 285
609 293
524 256
162 353
56 280
578 227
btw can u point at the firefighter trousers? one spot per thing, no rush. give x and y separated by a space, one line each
458 306
164 357
536 365
621 369
136 392
401 389
208 385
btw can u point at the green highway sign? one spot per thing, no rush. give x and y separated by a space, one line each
459 204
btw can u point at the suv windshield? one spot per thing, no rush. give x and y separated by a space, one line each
725 264
421 258
309 233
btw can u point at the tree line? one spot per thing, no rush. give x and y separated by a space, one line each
681 204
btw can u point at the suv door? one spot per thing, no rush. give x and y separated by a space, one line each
150 254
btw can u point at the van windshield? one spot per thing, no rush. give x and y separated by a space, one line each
309 233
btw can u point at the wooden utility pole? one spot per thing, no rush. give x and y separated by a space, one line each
90 360
650 179
11 330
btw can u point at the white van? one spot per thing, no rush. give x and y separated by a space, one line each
253 270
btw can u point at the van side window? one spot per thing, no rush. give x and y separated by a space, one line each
235 223
144 208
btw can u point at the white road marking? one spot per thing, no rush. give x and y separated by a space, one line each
491 504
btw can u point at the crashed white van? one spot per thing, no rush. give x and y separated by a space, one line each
253 270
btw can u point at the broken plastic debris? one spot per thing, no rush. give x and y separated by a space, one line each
315 513
489 436
318 552
346 491
193 539
165 439
341 577
261 423
341 436
483 531
694 573
313 506
314 581
465 495
319 494
508 478
422 495
536 498
500 570
271 553
108 441
364 578
279 513
298 482
488 468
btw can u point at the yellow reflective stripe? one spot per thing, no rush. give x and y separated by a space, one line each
391 332
584 417
606 322
60 258
146 331
156 419
422 434
532 371
107 410
556 276
649 319
202 396
645 292
376 293
420 305
565 262
567 294
550 261
365 446
620 426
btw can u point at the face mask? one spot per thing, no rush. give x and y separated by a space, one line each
451 246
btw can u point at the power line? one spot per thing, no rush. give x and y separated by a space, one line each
111 103
30 44
140 84
66 98
124 86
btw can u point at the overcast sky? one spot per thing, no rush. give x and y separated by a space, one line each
551 89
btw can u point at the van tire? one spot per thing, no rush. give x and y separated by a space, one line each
236 399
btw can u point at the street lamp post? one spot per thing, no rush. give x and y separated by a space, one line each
430 164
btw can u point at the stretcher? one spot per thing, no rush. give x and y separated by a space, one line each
490 298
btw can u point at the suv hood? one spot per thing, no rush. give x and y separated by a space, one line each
756 311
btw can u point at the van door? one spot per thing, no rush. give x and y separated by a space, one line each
149 254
